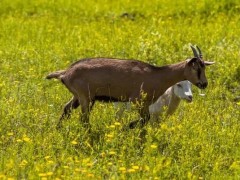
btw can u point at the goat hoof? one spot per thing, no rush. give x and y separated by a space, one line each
59 126
133 124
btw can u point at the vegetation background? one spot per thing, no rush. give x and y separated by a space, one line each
200 141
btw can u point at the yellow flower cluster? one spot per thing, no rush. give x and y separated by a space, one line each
45 174
132 169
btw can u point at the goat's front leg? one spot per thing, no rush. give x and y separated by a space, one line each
121 107
144 118
72 104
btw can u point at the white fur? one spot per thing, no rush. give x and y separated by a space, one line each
169 100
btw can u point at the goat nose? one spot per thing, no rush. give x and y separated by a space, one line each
190 98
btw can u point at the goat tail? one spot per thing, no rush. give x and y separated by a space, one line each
56 75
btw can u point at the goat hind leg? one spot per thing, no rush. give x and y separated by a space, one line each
72 104
86 107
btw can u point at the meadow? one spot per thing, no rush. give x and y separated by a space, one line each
200 141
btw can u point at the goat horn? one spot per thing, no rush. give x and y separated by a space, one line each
200 52
194 51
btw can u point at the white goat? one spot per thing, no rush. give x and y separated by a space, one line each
169 100
109 79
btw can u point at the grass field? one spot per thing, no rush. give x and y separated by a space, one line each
200 141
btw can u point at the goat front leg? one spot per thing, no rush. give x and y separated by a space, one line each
144 118
121 107
72 104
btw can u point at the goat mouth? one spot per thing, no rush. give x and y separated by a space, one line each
189 100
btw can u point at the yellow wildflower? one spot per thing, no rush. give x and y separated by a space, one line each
86 160
42 174
117 124
235 165
77 170
2 176
146 168
89 164
164 127
50 162
23 163
47 157
122 169
10 134
90 175
10 164
135 167
153 146
131 170
49 173
112 153
110 135
10 178
84 170
112 126
74 142
26 139
110 164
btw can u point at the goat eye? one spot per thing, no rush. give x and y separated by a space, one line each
179 85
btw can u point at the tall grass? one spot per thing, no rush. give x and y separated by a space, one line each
200 141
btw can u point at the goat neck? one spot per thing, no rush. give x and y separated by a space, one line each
173 102
170 75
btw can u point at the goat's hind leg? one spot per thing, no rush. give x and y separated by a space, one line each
86 107
72 104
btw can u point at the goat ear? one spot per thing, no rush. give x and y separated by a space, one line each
207 63
191 62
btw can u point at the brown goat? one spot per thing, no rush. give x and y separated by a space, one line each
108 79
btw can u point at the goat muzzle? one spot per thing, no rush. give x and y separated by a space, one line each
189 98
